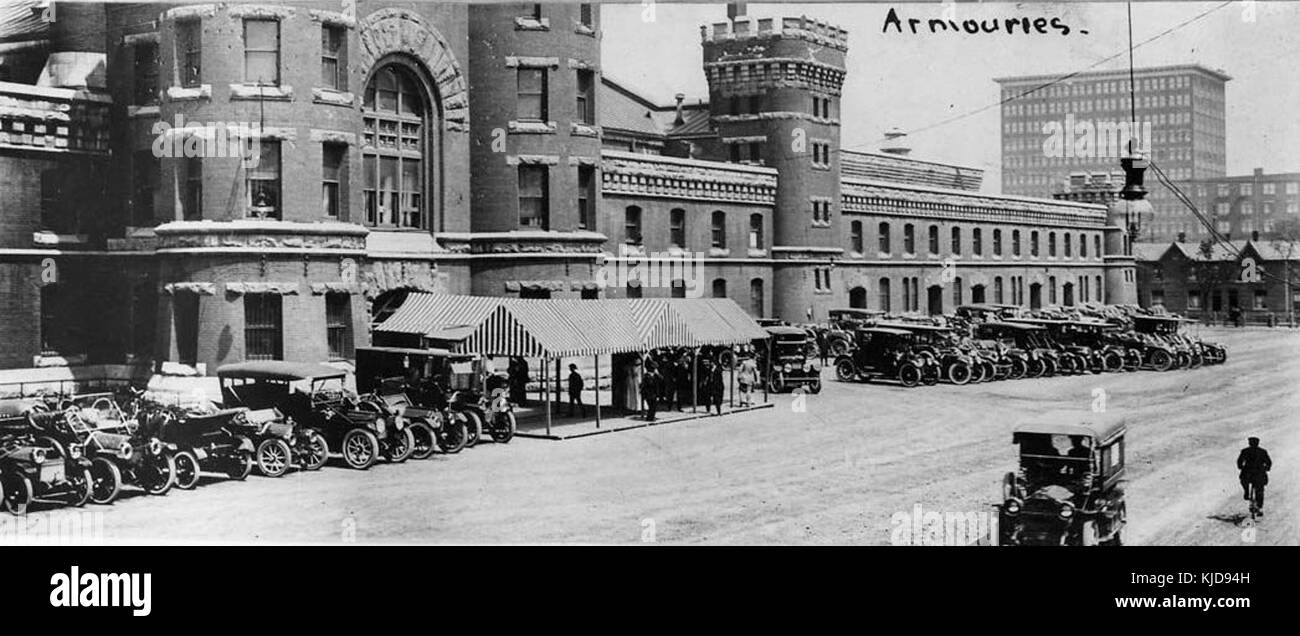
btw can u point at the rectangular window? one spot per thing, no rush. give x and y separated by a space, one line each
144 176
883 231
1261 299
909 239
188 58
263 327
333 157
677 227
632 225
585 15
333 57
263 181
586 98
977 241
531 88
534 199
145 77
338 325
192 189
262 52
855 236
719 230
586 197
755 231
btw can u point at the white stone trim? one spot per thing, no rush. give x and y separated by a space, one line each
527 23
533 160
254 91
189 12
532 127
203 289
745 140
278 12
332 18
284 289
182 94
333 97
593 162
514 61
335 287
150 110
578 129
136 39
583 65
324 136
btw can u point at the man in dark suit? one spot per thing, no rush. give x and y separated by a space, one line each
575 391
650 381
1254 464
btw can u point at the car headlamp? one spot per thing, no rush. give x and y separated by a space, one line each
125 451
1066 511
38 455
1011 506
75 451
786 367
155 446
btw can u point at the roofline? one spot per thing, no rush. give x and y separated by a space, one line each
925 161
645 101
698 163
1120 73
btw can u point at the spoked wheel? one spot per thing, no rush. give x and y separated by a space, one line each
315 453
455 432
240 466
1067 365
426 439
157 476
1196 360
1113 361
473 427
187 470
1183 360
845 371
1035 368
400 445
839 347
990 372
930 374
105 481
18 494
504 431
959 373
909 375
360 448
1161 360
81 486
977 373
1018 369
815 386
273 457
1050 367
776 384
1132 360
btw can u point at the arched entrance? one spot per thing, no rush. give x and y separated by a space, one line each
976 294
934 300
858 298
1035 295
1067 294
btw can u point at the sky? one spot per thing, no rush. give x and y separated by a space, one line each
913 81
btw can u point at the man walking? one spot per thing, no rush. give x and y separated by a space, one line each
713 386
1254 464
575 391
747 377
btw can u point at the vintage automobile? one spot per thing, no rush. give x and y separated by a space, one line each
426 424
281 443
1186 351
120 452
783 361
987 312
1094 343
1070 359
1069 488
1025 345
201 442
885 353
841 324
313 396
954 364
424 376
30 470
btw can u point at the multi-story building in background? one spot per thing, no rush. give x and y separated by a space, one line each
1180 126
207 183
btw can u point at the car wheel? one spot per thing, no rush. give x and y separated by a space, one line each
81 486
273 457
815 386
17 494
401 445
360 448
473 427
977 373
839 347
50 442
426 439
1113 361
159 475
316 451
959 373
909 375
990 372
1161 360
930 374
240 466
187 470
505 429
845 371
1035 368
1049 367
455 432
1065 366
1018 369
105 481
776 384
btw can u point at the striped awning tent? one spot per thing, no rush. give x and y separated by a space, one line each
658 326
710 326
742 326
433 314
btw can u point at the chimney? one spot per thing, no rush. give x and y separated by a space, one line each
680 97
895 143
735 10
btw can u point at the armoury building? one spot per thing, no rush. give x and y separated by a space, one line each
470 150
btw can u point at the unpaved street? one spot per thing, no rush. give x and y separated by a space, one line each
834 473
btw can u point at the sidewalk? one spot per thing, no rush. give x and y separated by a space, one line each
532 420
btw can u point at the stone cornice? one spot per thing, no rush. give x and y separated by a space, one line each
629 174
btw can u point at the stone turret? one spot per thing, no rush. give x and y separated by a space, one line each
1123 218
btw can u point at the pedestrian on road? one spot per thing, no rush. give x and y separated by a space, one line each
575 391
747 377
650 390
714 386
1254 464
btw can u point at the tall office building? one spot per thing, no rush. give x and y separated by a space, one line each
1082 124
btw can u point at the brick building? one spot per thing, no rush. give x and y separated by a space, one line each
1207 281
205 183
1181 107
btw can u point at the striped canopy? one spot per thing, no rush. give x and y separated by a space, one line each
571 328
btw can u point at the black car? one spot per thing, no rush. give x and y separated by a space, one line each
784 362
886 353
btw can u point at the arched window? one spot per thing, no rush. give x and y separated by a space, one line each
398 161
997 243
632 225
719 229
1069 242
1083 246
1051 246
855 237
997 289
756 231
1096 245
858 298
956 241
909 239
977 241
956 292
934 239
883 231
756 301
1015 242
719 288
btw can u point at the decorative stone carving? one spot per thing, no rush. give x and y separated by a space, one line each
284 289
383 276
514 286
278 12
267 235
333 97
318 135
336 287
390 31
202 289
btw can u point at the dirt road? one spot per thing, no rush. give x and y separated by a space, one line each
833 472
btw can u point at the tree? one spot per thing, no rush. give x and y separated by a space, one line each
1286 240
1210 273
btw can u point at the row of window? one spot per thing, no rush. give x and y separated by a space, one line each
718 289
532 95
1010 290
633 229
885 238
1260 299
1103 87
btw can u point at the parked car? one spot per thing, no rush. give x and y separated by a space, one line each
276 436
885 353
954 364
1070 359
424 376
201 442
841 325
1024 343
428 425
783 360
1069 487
313 395
29 472
120 452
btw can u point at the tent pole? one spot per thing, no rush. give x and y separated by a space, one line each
732 390
769 370
597 381
695 382
559 397
546 395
